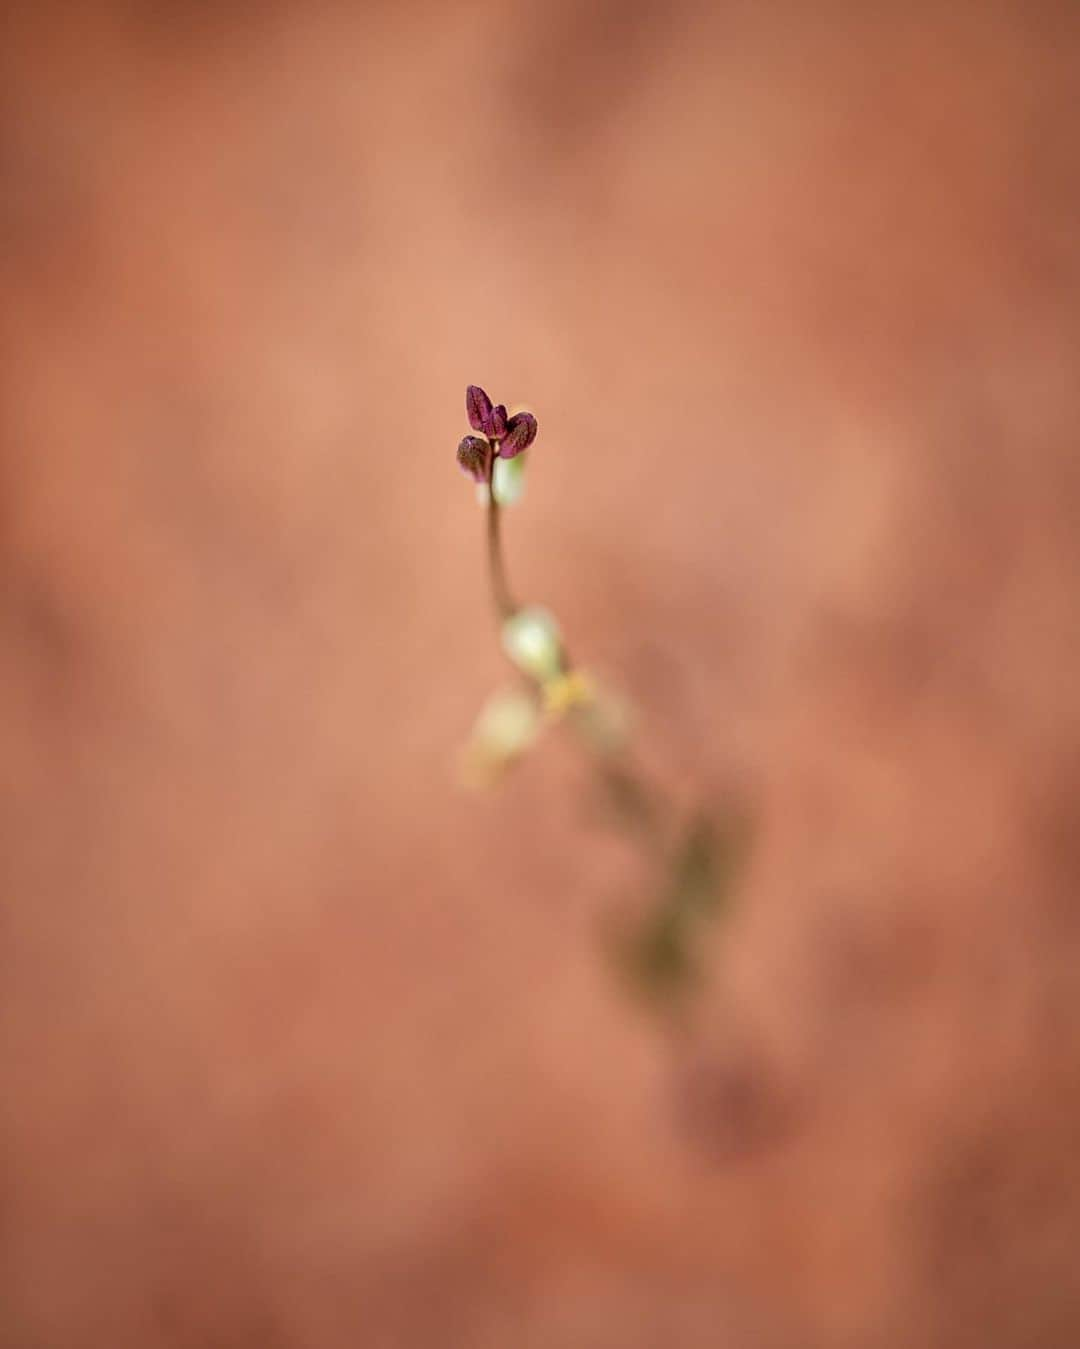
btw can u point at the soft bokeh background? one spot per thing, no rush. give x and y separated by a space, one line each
302 1045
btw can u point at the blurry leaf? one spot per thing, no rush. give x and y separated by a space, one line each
627 798
605 721
661 954
506 728
696 868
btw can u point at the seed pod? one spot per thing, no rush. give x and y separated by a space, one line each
472 455
478 407
520 434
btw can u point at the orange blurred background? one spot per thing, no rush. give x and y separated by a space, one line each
302 1044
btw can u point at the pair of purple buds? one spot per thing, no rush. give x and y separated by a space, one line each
506 436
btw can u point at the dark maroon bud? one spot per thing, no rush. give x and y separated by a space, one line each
472 455
520 434
496 428
478 406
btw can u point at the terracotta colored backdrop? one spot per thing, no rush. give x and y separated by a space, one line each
301 1045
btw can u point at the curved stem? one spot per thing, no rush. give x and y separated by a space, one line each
504 603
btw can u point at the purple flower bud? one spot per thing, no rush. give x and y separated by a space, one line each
496 427
520 434
478 406
472 455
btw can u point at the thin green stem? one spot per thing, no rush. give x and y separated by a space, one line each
504 603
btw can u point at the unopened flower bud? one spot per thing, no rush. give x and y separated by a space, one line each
478 407
496 427
520 434
531 639
472 455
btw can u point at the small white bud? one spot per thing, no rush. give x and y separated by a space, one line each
532 640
